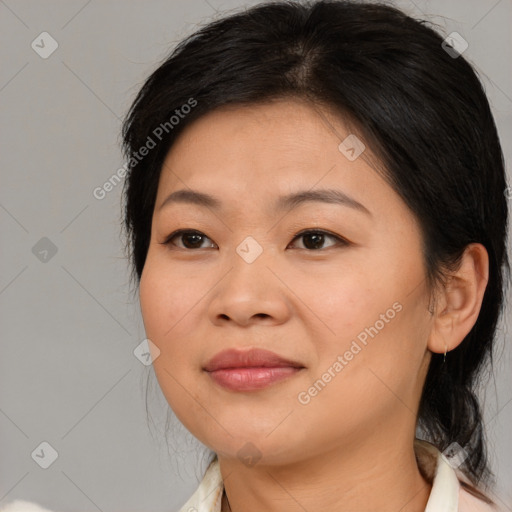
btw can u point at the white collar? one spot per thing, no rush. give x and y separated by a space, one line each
444 496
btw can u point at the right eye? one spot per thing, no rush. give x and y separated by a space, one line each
191 239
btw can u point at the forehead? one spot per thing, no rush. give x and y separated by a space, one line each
251 155
285 141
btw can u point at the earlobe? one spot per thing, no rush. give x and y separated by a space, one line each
459 303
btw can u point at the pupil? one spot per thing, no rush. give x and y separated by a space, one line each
197 237
317 241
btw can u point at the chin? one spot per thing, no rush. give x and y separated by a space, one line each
252 447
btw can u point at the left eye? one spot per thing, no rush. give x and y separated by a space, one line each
313 239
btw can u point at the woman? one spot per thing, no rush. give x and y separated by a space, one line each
320 238
316 214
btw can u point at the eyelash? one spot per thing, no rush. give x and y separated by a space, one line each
341 241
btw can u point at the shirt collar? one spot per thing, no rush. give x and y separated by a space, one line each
444 496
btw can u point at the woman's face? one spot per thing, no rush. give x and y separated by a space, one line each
346 305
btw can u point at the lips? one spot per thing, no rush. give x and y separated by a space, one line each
254 358
250 370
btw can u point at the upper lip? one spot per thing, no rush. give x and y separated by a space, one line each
233 358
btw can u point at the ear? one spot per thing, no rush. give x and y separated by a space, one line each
459 303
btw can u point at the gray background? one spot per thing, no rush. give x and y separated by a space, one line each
69 323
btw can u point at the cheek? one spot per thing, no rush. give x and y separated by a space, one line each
166 297
167 301
368 374
341 303
374 322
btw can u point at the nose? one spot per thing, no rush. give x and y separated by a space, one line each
250 293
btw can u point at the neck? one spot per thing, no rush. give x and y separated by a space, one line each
383 477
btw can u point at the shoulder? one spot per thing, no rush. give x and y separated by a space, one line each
468 502
23 506
449 484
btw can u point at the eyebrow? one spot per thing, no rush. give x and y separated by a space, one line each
288 202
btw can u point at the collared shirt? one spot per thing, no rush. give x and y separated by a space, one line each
446 495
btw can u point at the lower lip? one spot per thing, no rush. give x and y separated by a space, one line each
251 379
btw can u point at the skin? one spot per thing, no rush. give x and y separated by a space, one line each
351 446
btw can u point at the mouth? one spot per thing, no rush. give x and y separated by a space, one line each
250 370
